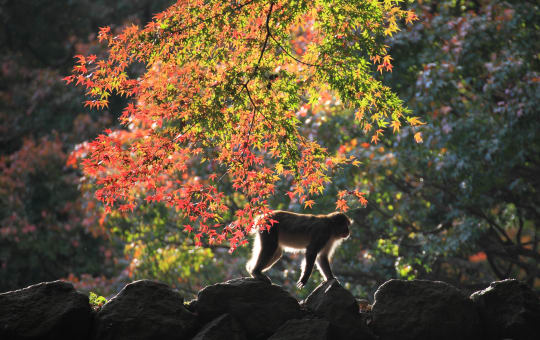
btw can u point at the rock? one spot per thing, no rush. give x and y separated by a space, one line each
304 329
337 305
261 308
223 327
49 310
509 309
144 310
191 305
364 305
424 310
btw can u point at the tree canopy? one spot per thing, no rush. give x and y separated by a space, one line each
219 94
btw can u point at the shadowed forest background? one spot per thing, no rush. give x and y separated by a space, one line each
461 207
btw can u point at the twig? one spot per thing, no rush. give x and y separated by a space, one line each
293 57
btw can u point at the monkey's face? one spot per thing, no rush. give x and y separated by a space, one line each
342 223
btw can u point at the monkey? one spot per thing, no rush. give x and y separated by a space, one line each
315 235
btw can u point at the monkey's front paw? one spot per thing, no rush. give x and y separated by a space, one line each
300 284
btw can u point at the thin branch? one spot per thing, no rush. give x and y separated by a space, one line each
518 235
245 86
441 227
493 266
263 49
255 108
359 275
202 21
471 209
490 221
290 55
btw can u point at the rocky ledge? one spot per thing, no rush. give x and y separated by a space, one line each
246 309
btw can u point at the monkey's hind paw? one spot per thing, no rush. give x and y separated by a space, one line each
262 277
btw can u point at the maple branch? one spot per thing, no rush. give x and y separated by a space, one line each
290 55
267 25
255 109
230 9
245 86
267 35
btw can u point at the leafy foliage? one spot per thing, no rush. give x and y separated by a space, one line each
463 206
48 228
221 100
96 301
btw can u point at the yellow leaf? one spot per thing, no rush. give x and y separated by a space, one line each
414 121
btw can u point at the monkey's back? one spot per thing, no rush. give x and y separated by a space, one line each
296 231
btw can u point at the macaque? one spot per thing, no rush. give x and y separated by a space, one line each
316 235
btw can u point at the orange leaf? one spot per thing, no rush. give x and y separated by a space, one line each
342 205
395 126
309 203
418 137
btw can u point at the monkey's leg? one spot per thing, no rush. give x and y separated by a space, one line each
267 256
323 264
309 261
277 255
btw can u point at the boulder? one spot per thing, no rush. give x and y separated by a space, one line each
304 329
144 310
49 310
337 305
261 308
509 309
421 309
222 327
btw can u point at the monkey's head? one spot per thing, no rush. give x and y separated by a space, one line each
341 224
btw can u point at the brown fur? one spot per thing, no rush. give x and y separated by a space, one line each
316 235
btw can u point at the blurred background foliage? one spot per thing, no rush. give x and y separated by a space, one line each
462 207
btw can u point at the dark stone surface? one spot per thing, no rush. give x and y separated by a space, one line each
337 305
424 310
248 309
509 309
145 310
222 327
191 305
261 308
49 310
304 329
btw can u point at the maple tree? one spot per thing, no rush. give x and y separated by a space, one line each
224 91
